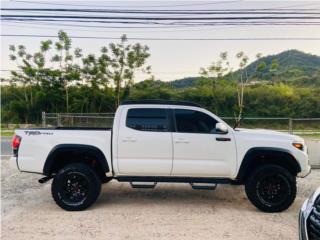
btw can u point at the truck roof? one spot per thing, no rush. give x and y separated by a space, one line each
160 102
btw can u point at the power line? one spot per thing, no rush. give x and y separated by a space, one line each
166 24
96 26
176 5
169 12
174 39
161 25
159 18
165 6
88 28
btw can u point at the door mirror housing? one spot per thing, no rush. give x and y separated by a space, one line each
221 128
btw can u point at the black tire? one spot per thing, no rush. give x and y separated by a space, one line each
75 187
271 188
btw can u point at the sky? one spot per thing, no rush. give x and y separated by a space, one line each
170 60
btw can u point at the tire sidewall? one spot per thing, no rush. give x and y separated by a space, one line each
93 184
251 188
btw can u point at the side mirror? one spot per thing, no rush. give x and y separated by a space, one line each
221 128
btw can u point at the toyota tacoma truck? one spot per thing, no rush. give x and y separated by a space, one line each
163 141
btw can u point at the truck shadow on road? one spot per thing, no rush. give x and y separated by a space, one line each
172 194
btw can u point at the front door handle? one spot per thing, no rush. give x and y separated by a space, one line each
223 139
181 140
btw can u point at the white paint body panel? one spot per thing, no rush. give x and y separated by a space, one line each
142 153
201 155
34 149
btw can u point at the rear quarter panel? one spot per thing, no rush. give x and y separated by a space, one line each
36 145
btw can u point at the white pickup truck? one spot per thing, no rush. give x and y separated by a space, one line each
163 141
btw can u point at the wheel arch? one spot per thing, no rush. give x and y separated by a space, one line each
58 156
258 156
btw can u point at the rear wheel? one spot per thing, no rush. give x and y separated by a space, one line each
271 188
76 187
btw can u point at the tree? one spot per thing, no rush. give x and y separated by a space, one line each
38 69
68 70
215 72
261 67
274 68
124 60
242 82
217 69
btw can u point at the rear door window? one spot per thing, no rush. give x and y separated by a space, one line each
148 119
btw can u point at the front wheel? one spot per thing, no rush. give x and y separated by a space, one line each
75 187
271 188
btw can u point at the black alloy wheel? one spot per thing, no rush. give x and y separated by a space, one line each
271 188
76 187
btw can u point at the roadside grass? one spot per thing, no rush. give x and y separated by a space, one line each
7 132
311 136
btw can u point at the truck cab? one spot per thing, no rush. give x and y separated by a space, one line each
172 140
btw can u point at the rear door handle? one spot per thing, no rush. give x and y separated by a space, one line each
129 139
181 140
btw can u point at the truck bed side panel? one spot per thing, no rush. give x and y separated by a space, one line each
36 145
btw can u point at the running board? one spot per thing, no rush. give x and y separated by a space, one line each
156 179
149 185
202 186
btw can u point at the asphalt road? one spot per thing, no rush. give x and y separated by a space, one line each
6 146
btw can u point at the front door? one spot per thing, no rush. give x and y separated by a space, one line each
145 142
198 150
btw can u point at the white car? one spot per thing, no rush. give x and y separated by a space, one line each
309 218
163 141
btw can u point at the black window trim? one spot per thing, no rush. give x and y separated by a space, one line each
169 119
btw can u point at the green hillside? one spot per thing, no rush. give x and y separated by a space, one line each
294 67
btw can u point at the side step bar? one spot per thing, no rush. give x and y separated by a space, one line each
149 185
156 179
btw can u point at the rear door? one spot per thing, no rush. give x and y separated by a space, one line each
145 142
198 150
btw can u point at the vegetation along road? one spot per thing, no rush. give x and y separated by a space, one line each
89 83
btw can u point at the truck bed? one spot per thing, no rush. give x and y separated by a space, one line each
37 143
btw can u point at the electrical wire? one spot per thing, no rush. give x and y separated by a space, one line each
158 18
173 39
169 12
176 5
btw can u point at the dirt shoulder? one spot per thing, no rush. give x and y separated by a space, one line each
171 211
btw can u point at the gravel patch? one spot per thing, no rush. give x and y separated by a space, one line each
170 211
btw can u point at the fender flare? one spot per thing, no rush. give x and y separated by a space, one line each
250 158
78 148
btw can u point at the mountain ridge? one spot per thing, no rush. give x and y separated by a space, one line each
294 67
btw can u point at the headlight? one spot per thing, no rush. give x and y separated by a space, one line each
298 145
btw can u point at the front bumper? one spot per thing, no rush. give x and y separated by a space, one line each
305 172
303 216
309 217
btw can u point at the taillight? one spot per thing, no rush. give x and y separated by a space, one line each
15 144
